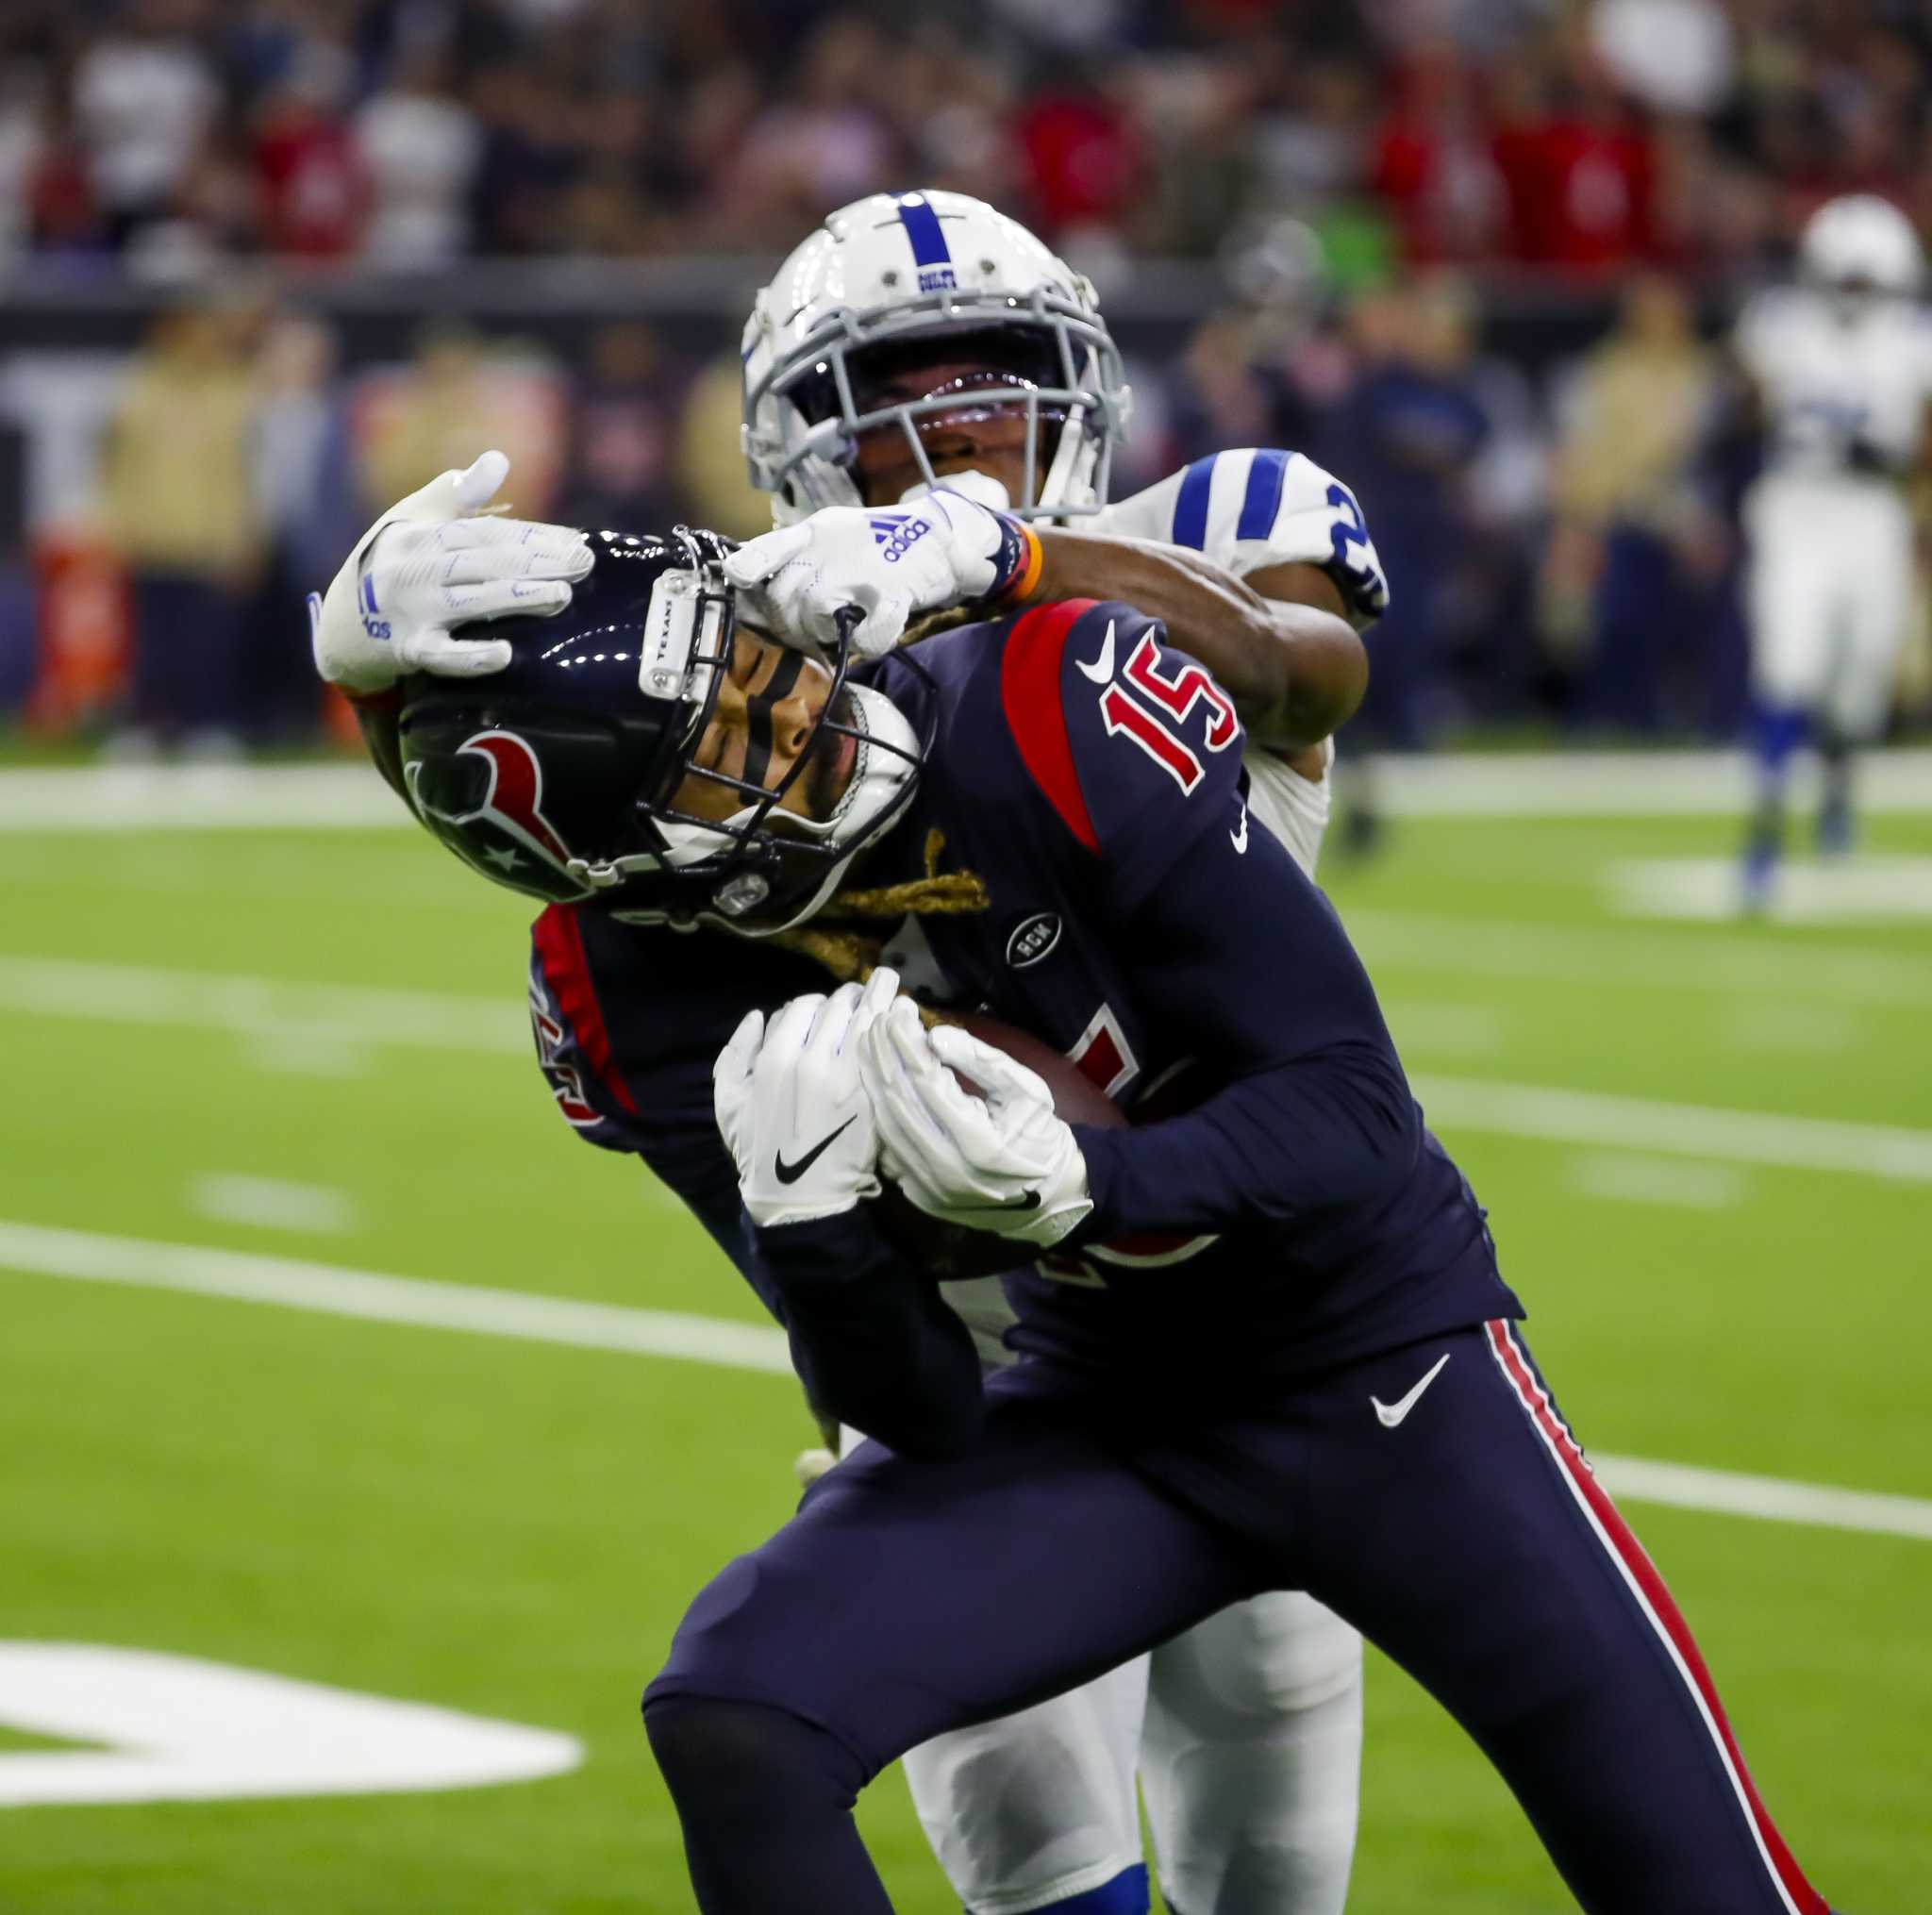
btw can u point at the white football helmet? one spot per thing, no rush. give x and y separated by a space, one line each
896 270
1861 241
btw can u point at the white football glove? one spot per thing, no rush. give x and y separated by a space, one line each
1002 1162
893 563
428 563
790 1108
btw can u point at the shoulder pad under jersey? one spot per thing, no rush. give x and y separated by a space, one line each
1257 507
1131 742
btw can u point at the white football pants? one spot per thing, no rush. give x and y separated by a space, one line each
1829 590
1246 1732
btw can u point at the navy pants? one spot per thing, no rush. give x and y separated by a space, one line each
1467 1538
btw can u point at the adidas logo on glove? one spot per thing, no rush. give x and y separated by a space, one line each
898 534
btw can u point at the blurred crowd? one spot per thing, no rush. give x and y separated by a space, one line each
1559 551
1577 137
1561 531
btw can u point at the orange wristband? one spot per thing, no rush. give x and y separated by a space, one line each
1025 579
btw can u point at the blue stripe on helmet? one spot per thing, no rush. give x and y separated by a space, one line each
1190 507
922 228
1262 499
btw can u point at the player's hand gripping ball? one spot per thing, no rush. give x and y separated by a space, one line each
791 1109
981 1169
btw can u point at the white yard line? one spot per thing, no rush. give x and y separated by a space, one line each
263 1007
260 1007
271 1204
1748 962
1620 1177
82 1256
1753 1137
324 797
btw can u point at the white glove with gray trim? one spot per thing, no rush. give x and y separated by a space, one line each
430 563
1001 1161
893 563
791 1109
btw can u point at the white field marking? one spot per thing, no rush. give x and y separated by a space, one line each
268 1204
1729 1492
83 1257
123 798
34 1250
301 1053
179 1729
1799 1027
1644 960
1452 1030
260 1007
1682 784
1628 1177
1756 1137
264 1007
322 797
1861 890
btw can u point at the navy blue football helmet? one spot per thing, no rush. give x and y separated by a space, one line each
557 775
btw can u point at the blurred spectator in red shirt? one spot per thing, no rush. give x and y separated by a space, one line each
1081 150
314 191
1579 173
1435 164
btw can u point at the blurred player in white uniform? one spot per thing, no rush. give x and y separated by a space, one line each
921 338
1843 366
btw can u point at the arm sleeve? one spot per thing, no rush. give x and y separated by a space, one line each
1314 1112
873 1342
1257 507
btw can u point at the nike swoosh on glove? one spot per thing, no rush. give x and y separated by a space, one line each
791 1109
892 564
1001 1161
430 563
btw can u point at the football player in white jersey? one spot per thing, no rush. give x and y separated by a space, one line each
924 340
1843 366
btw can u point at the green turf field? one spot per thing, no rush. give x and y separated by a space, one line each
311 1046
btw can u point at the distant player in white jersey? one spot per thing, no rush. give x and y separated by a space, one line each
1843 366
924 339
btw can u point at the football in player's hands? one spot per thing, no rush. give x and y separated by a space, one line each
950 1251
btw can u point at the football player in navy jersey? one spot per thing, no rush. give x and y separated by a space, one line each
864 388
921 340
1346 1403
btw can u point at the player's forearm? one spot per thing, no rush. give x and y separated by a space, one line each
873 1341
1314 1114
1295 671
1322 1134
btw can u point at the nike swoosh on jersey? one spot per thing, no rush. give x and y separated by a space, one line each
1391 1413
791 1173
1238 836
1101 668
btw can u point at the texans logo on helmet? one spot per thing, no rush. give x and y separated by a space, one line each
512 802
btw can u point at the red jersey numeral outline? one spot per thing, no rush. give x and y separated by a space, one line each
566 1086
1176 696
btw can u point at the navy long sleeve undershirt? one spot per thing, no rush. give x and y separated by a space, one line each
1240 949
872 1339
